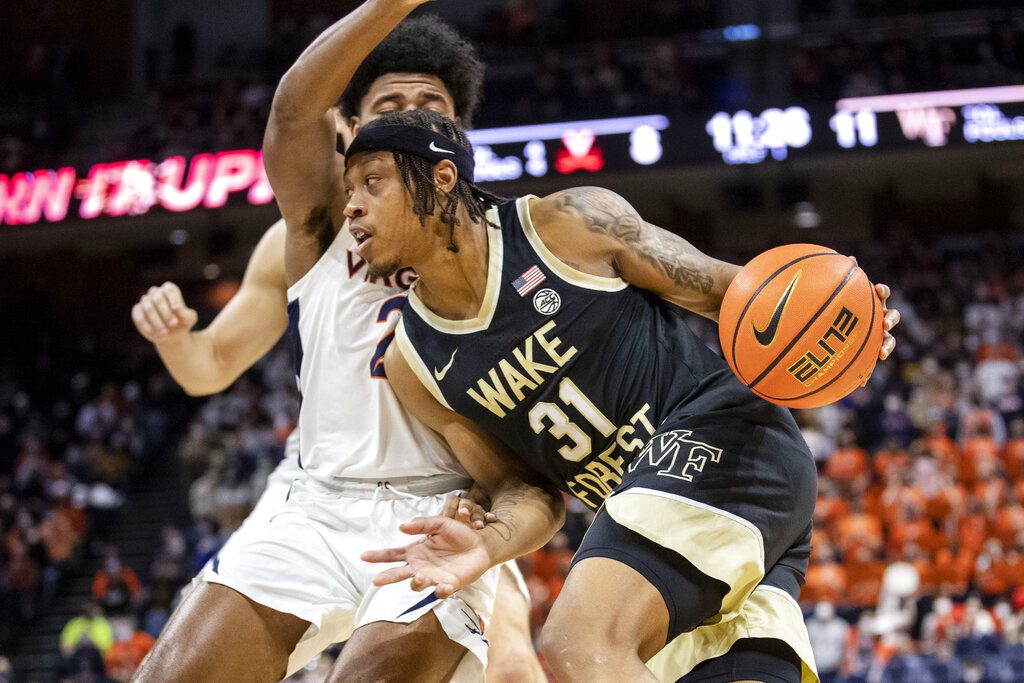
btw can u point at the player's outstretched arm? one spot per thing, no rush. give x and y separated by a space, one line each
207 361
600 230
453 554
299 146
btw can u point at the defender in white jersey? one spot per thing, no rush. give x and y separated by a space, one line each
197 359
340 319
365 467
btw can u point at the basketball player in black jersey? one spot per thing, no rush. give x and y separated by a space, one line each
543 321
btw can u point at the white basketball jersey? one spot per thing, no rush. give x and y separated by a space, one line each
351 424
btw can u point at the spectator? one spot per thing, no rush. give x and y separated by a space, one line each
116 587
129 648
170 568
1013 451
864 577
6 670
828 635
826 580
89 628
849 466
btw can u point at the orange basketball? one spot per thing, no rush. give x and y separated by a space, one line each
801 326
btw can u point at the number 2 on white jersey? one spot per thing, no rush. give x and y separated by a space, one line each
390 307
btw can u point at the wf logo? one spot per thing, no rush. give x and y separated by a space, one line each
677 455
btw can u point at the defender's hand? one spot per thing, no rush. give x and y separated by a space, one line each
892 319
161 314
466 510
450 557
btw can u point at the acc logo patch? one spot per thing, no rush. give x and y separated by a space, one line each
547 301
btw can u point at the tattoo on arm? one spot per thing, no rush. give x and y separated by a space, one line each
607 213
505 510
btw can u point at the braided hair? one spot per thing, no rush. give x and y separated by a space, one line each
417 174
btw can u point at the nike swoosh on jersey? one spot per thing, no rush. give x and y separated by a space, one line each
766 336
440 374
435 148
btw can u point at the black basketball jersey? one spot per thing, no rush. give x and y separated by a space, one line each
572 371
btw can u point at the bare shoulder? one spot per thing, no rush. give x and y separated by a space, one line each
586 227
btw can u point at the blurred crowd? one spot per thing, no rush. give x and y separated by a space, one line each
583 61
78 428
918 555
919 527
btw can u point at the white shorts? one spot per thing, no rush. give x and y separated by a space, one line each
271 502
305 561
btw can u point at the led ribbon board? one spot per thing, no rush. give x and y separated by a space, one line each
975 116
932 119
133 188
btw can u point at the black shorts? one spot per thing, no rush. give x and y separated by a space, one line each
750 659
715 512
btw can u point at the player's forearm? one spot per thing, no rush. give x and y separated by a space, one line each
721 275
322 72
192 361
684 274
528 517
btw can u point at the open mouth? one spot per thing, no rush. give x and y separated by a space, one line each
359 234
362 238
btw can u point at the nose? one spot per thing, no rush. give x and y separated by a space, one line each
354 208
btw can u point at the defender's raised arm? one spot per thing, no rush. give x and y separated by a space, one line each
300 144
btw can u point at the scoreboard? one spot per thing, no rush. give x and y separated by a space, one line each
977 116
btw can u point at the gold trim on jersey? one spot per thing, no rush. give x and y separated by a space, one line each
718 543
408 352
769 612
482 321
567 273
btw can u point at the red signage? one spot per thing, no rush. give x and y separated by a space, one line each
132 188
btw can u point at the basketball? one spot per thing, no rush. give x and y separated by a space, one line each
801 326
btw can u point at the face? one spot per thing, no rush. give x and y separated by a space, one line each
404 92
379 210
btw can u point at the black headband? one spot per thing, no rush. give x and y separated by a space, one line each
414 140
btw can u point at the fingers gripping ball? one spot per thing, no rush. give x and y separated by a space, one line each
801 326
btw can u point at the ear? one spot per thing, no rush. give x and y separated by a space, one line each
445 175
354 125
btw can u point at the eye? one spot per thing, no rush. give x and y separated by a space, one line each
371 179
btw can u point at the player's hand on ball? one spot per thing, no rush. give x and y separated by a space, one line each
161 314
892 319
450 556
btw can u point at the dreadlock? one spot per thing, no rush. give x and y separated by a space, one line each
418 175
